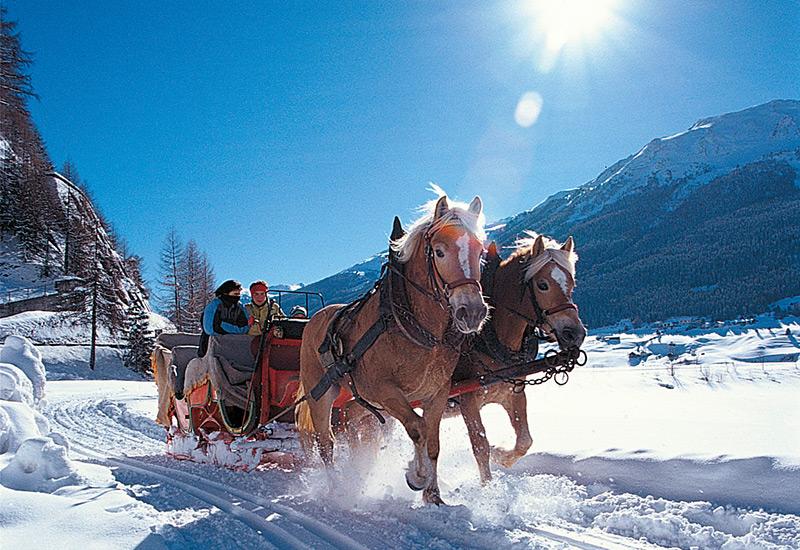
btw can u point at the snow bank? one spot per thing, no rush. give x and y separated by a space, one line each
15 385
41 465
53 327
19 422
72 363
31 458
20 351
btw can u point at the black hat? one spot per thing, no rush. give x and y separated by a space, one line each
227 286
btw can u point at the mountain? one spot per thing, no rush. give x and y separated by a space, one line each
342 287
75 249
704 222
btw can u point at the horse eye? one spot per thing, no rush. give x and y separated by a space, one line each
439 253
543 286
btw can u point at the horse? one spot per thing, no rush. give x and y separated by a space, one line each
400 343
531 290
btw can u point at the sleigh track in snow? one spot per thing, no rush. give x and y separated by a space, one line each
82 421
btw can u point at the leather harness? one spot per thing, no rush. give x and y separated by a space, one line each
394 315
488 342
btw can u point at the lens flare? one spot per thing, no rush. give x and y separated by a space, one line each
528 109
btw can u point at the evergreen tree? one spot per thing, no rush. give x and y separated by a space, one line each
140 340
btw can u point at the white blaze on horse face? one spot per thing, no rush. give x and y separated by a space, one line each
463 255
560 277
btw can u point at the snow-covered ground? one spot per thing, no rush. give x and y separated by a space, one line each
67 327
670 440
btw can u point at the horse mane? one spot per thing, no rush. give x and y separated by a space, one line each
532 264
458 214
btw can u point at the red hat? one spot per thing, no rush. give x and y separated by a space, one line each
258 286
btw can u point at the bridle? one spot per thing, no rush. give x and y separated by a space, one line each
541 314
442 289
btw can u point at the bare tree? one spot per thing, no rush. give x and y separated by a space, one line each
191 274
171 297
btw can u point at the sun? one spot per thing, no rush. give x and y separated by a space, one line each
557 23
565 21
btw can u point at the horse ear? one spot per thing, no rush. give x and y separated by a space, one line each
441 208
397 230
569 245
491 252
538 246
476 206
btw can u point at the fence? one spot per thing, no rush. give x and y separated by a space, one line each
20 294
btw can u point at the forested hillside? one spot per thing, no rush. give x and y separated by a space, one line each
53 239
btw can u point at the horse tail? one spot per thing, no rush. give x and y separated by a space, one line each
302 412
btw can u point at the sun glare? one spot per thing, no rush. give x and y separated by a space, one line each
565 21
558 23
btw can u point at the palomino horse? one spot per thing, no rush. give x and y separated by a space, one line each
531 290
395 354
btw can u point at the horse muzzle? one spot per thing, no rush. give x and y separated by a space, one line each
570 336
469 311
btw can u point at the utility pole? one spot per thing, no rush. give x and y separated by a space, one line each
92 354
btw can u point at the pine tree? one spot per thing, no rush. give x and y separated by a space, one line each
140 340
27 197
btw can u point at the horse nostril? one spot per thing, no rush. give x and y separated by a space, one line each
479 315
461 314
568 335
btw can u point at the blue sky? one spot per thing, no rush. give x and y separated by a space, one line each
283 136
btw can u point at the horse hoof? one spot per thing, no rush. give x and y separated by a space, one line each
413 485
503 457
432 497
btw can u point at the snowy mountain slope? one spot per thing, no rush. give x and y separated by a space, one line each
704 222
344 286
711 148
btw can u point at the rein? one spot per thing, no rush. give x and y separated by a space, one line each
489 343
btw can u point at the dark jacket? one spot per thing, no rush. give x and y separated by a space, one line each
222 316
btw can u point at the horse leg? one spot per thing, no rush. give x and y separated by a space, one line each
395 403
433 417
363 431
516 407
311 372
471 412
321 419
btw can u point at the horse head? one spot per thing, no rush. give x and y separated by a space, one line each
446 246
549 276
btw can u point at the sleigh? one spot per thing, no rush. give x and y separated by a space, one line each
213 419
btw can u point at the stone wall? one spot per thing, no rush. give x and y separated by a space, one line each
49 302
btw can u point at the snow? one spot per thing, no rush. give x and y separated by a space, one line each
695 446
693 158
786 303
19 351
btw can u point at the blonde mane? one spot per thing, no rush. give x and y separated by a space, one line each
458 214
552 252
